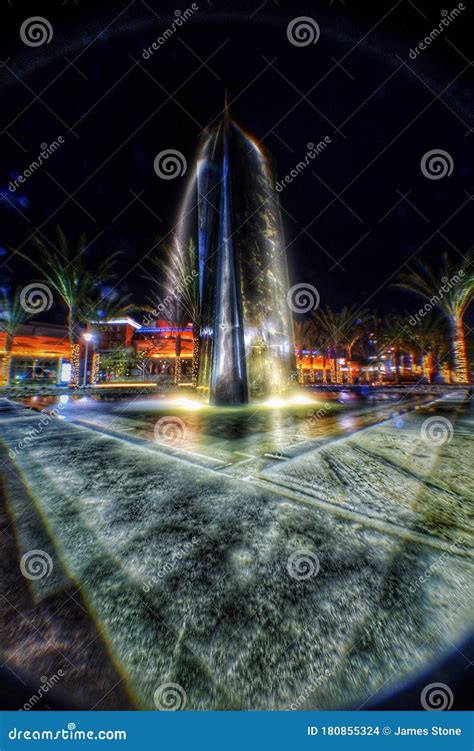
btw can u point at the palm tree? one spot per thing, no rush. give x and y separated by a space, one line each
431 334
178 318
75 280
371 341
319 342
392 338
12 315
359 327
187 277
314 338
182 303
451 292
304 333
341 331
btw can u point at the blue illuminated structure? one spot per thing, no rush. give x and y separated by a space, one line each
228 370
246 333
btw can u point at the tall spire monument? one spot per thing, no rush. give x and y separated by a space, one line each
247 334
228 369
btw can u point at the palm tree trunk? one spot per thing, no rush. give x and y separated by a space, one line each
436 364
325 375
195 362
177 360
299 367
427 364
75 365
5 362
337 369
311 377
75 350
461 370
177 370
396 365
430 368
350 377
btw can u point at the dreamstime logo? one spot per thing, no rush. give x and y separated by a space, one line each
170 430
437 430
35 432
313 151
447 18
302 434
180 17
303 564
302 298
36 564
36 31
437 696
302 31
164 305
170 697
46 151
436 164
170 565
437 564
36 297
169 164
313 685
447 284
46 685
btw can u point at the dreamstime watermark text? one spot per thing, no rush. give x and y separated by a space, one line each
163 306
313 685
45 420
447 18
180 19
71 733
46 685
437 564
46 151
313 151
446 286
303 433
177 555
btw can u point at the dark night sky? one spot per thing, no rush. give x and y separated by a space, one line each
115 118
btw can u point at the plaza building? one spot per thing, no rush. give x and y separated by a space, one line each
123 351
119 350
38 352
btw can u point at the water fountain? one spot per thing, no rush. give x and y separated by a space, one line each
247 349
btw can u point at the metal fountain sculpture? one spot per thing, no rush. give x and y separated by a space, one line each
247 348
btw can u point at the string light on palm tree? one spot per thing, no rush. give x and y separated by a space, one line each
392 339
88 338
303 339
450 289
75 279
341 331
430 336
12 315
95 371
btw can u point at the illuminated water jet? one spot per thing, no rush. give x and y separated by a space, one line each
191 404
246 330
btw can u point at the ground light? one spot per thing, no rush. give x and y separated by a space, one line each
190 403
185 403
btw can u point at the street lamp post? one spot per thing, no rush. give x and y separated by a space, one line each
87 338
